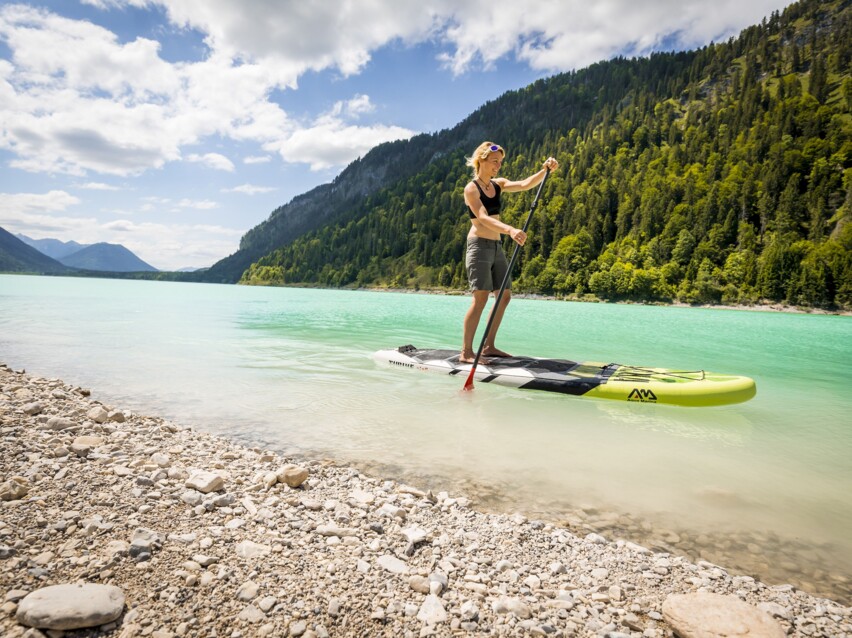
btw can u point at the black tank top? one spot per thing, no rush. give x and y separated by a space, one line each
492 204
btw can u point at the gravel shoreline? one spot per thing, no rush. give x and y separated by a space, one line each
205 537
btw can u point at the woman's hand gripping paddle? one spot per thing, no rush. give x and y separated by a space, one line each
468 385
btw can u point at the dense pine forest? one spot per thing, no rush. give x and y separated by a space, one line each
720 175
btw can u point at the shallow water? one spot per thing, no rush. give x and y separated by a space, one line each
761 487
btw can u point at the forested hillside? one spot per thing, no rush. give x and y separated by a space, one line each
718 175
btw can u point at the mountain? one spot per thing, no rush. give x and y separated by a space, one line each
107 257
720 175
52 247
16 256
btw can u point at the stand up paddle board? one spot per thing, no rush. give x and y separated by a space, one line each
587 379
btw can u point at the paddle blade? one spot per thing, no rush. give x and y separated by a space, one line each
468 385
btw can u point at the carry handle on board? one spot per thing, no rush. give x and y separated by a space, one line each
468 385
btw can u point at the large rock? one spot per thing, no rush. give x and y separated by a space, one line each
33 408
392 564
432 611
13 489
98 414
205 482
59 423
71 606
82 445
292 475
705 615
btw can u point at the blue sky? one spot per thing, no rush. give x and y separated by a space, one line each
174 126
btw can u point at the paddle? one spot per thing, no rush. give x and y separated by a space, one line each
468 385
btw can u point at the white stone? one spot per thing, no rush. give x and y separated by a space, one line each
506 605
249 549
419 584
334 530
360 496
252 614
205 482
98 414
66 607
88 441
432 611
706 615
292 475
248 591
161 459
392 564
469 611
59 423
533 582
392 511
415 534
33 408
267 603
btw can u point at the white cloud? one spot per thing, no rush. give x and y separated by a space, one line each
257 159
571 34
249 189
357 106
77 99
40 215
204 204
295 37
213 160
97 186
171 246
331 141
14 206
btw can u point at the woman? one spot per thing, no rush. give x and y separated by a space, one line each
485 261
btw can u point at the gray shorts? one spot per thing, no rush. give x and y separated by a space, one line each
486 264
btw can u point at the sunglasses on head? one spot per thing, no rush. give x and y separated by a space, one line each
494 148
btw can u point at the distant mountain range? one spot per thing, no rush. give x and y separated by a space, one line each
109 257
19 253
16 256
52 247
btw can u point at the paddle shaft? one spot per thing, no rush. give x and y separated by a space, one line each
468 385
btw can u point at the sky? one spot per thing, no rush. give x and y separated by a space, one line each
174 126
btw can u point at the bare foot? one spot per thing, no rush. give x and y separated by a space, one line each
495 352
467 356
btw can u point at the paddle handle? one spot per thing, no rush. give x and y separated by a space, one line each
468 385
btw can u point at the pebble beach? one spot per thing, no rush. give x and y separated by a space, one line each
118 524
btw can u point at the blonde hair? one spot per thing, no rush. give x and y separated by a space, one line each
482 152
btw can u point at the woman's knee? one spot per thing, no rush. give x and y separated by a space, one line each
480 298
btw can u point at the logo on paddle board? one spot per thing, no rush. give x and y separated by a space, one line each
645 396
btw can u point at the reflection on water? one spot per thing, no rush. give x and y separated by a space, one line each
760 487
723 424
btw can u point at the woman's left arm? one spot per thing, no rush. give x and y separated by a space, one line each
529 182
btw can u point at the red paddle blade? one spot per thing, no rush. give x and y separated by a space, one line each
468 385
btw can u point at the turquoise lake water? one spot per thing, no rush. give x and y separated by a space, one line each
763 487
